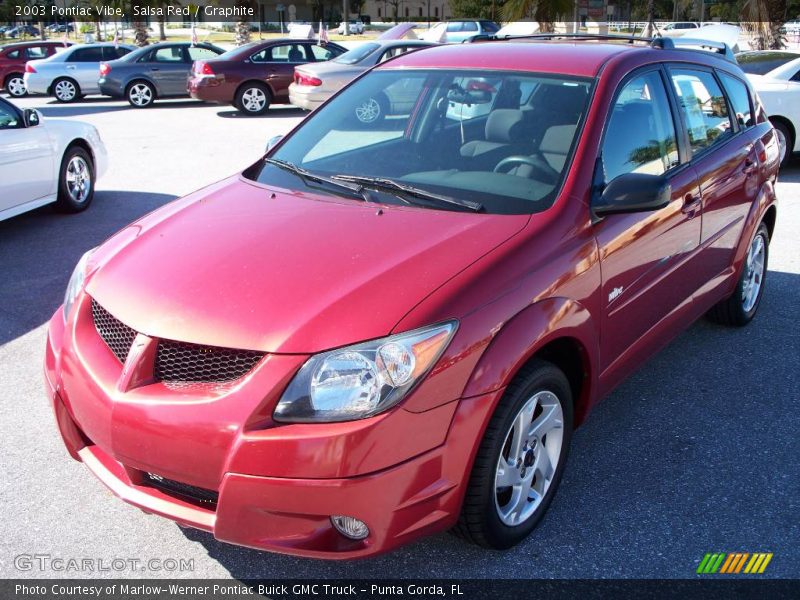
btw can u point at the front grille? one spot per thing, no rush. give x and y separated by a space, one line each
207 498
117 336
178 362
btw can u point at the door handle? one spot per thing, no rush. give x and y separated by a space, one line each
750 166
155 69
691 205
71 67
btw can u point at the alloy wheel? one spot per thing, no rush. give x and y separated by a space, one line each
254 100
528 459
79 179
65 90
140 94
368 111
16 87
754 273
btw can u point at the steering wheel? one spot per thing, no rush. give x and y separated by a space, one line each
541 170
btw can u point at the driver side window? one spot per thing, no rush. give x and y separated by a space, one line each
640 135
8 118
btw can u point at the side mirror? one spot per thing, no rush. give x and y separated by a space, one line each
30 117
272 142
630 193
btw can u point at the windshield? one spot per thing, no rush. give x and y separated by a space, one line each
501 140
761 63
358 54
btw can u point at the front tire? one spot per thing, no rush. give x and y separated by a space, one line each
740 308
76 181
140 94
253 99
66 90
15 85
520 460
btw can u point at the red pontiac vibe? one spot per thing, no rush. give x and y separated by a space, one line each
12 62
380 331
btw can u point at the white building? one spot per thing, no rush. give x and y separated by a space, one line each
407 10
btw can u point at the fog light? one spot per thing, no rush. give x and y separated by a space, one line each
350 527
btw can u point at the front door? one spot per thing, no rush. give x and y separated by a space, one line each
645 257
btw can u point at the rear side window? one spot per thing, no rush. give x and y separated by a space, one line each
740 99
704 108
198 53
761 63
640 137
173 54
86 55
13 54
35 52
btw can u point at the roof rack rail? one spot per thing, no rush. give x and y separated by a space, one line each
665 43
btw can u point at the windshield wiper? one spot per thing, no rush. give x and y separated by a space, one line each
307 176
394 186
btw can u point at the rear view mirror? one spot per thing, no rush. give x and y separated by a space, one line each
31 117
461 96
632 192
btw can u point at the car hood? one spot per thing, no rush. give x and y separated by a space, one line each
242 266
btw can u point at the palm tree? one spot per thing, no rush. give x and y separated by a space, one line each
163 4
243 23
764 19
545 12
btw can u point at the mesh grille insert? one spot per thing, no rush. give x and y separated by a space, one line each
183 362
117 336
208 498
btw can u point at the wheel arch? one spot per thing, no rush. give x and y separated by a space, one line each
790 126
59 78
143 79
83 145
251 81
559 330
9 76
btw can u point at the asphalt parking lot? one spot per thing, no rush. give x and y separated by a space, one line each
697 452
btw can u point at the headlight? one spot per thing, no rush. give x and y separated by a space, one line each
76 282
362 380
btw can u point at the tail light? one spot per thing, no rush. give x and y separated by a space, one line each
105 69
301 78
29 68
203 68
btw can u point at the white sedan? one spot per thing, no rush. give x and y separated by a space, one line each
46 161
775 75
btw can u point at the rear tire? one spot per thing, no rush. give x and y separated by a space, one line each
740 308
514 479
76 181
140 94
253 99
785 141
15 85
66 90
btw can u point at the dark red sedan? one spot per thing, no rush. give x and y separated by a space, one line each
12 63
256 75
385 329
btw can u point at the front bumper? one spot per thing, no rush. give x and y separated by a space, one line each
401 473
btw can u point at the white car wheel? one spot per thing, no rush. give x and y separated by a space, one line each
15 86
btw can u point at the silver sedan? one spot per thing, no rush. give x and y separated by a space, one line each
314 83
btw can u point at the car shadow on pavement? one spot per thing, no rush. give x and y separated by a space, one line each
39 249
94 106
272 113
663 469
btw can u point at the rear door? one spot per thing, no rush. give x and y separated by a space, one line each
646 256
723 151
168 67
83 65
278 62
